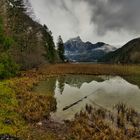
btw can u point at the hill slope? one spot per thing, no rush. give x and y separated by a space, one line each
31 41
77 50
129 53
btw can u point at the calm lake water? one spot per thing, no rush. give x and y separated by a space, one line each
73 92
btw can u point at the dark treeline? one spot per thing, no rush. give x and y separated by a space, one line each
23 41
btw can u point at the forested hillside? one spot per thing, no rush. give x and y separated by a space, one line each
23 40
127 54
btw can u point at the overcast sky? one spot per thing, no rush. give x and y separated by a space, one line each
111 21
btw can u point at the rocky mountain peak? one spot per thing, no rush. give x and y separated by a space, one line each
76 39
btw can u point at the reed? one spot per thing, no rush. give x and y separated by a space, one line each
29 108
99 126
92 69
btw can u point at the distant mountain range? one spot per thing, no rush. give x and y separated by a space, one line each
78 51
129 53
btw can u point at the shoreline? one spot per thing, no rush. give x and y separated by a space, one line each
36 107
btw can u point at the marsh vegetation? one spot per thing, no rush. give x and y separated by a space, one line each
29 111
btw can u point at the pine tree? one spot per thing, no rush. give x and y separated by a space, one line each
5 41
31 41
60 47
49 45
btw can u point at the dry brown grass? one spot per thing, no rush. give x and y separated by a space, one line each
92 69
33 107
36 107
99 124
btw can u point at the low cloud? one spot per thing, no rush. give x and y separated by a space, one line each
111 21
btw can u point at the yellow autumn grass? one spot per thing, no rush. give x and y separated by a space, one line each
91 69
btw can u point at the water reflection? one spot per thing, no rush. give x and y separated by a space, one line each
61 84
74 92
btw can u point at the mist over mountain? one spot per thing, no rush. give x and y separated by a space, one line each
129 53
79 51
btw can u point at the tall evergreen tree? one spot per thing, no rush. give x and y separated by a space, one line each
60 47
30 40
49 45
5 41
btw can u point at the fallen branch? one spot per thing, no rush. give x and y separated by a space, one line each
73 104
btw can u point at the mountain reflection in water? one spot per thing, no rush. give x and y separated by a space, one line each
75 91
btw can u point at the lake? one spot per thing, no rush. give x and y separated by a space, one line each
73 92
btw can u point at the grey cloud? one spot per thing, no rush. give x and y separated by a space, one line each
110 14
115 15
93 20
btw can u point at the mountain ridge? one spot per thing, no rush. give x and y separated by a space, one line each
77 50
128 53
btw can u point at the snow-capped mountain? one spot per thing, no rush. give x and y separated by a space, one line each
77 50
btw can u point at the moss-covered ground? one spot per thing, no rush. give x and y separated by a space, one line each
21 109
10 120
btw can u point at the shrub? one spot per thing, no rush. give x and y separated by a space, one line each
8 68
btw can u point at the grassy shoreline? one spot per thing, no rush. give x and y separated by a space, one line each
92 69
25 109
